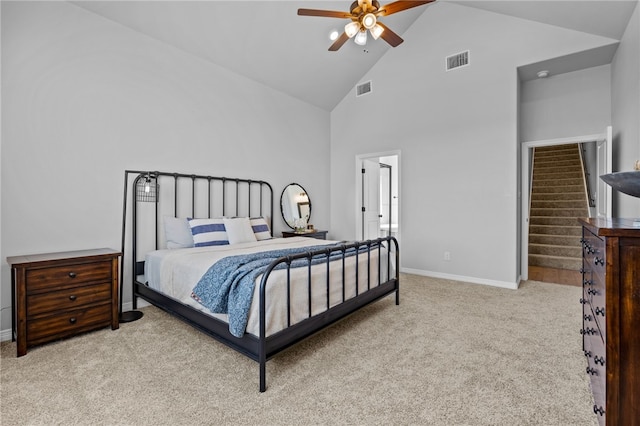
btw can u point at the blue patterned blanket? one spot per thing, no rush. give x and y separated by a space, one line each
227 287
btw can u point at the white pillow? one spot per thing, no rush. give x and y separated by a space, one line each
177 232
208 232
260 228
239 230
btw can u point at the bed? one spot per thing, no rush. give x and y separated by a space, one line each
233 281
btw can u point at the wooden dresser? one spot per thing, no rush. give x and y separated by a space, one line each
58 295
611 317
317 234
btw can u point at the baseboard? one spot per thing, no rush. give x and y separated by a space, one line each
473 280
5 335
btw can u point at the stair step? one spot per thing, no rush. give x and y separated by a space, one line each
555 230
548 196
567 165
556 240
558 262
552 173
559 212
553 250
556 189
562 222
558 204
557 182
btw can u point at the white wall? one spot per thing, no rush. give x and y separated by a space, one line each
84 99
457 132
565 105
625 105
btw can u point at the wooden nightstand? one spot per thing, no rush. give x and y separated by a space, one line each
320 235
58 295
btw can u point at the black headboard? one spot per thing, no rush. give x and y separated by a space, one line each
154 194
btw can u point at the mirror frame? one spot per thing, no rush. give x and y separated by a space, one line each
299 213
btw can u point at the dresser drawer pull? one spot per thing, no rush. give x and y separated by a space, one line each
587 282
587 354
588 330
599 360
73 297
583 301
588 317
591 250
73 320
598 410
598 260
592 371
72 275
599 311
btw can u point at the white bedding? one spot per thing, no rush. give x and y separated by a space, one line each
175 273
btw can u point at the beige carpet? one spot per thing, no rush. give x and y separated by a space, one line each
450 354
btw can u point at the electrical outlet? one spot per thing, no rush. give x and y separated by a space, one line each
447 256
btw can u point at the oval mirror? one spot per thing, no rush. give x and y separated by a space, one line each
295 206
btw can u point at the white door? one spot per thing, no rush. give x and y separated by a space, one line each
370 199
603 165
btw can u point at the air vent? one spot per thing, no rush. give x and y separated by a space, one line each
458 60
363 89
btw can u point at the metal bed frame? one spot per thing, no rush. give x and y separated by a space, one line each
217 191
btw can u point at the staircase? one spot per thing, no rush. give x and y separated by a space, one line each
558 198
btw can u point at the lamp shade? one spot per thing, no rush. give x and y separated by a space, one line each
376 31
361 38
351 29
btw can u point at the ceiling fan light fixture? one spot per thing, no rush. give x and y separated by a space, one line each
361 38
352 29
376 31
369 21
333 35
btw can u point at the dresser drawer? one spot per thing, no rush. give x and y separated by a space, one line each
67 323
52 278
68 299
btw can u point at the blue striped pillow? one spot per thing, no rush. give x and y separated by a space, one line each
260 228
208 232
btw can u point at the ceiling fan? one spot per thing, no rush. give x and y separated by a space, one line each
364 16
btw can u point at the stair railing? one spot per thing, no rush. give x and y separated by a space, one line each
591 199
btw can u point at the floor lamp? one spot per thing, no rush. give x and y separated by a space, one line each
145 190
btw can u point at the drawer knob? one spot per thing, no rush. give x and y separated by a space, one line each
73 297
599 311
73 320
588 282
588 317
588 331
592 371
598 410
587 354
583 301
592 291
72 274
599 360
598 260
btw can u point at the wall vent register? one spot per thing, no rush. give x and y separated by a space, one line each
363 89
458 60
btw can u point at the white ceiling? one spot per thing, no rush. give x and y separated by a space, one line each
268 42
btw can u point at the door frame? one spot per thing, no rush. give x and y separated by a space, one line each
358 187
526 170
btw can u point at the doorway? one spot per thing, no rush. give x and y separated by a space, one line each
378 195
603 143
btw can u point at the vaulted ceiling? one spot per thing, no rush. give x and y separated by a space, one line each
268 42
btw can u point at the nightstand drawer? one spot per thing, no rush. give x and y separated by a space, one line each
67 323
68 299
47 279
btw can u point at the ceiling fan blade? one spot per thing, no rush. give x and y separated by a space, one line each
339 42
399 6
389 36
323 13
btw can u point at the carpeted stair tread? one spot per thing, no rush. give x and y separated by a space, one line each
557 262
571 240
